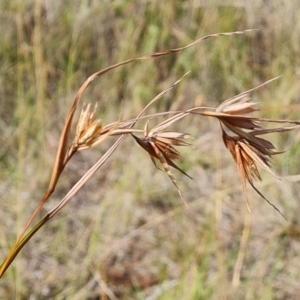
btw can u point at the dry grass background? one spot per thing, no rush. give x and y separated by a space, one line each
127 234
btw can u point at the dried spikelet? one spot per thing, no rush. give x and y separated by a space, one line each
159 145
88 130
240 135
247 159
232 114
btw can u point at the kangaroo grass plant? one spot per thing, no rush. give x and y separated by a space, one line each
241 134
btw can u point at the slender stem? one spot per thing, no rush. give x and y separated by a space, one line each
21 244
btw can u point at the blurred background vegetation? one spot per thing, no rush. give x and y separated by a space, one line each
127 234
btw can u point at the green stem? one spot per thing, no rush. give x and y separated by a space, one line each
21 244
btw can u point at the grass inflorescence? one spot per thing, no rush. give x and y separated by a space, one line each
124 234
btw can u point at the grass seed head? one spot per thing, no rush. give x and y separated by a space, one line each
239 132
88 130
247 158
160 145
